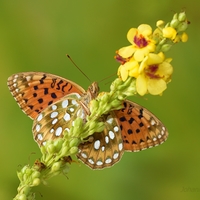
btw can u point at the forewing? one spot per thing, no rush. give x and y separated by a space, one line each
35 91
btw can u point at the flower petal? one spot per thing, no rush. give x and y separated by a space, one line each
139 55
156 87
123 73
131 34
126 52
165 70
169 32
141 85
154 59
145 29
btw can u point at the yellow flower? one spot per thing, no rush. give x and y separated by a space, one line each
184 37
155 72
141 43
169 32
130 68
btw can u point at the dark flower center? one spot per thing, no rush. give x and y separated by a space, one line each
140 41
151 70
120 59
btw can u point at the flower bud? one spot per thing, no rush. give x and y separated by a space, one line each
73 150
160 23
184 37
166 47
35 174
174 23
51 149
56 166
74 142
182 16
36 182
182 26
22 197
58 144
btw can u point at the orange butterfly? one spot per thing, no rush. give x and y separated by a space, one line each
54 103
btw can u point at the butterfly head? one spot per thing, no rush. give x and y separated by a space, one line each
93 90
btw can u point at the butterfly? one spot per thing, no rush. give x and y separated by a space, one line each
53 103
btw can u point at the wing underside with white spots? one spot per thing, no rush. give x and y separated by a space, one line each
105 149
58 117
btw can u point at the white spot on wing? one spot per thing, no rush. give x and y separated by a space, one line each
107 139
108 160
111 135
54 121
116 155
99 163
116 128
58 131
66 117
71 109
109 120
28 78
153 122
16 76
37 128
91 161
103 148
97 144
120 146
65 103
78 95
54 107
52 130
39 117
74 102
54 114
83 155
40 137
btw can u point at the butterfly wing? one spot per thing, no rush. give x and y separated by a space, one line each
103 149
57 118
140 128
99 151
35 91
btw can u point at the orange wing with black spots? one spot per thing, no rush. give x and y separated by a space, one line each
140 128
35 91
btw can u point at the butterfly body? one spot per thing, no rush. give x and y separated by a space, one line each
54 103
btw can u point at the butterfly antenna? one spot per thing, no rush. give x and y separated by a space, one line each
107 77
78 67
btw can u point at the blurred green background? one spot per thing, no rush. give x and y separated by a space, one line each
36 36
